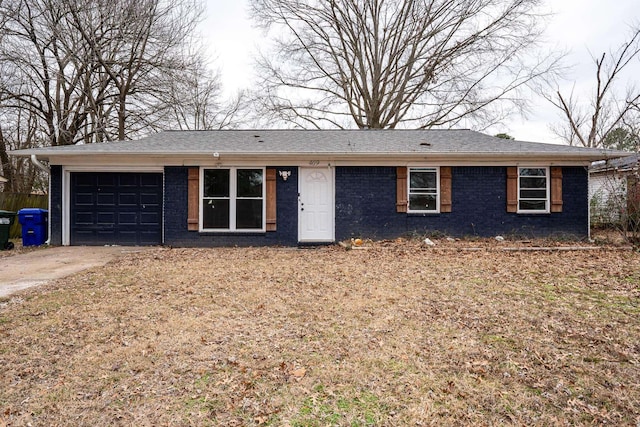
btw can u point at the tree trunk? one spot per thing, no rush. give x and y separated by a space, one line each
7 167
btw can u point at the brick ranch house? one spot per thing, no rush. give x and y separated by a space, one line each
290 187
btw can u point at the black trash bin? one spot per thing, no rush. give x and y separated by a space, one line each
34 223
6 221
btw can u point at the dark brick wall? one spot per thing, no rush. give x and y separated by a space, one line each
175 215
365 207
366 197
366 203
55 205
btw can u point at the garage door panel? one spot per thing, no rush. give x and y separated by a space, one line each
86 199
150 180
106 179
128 180
85 237
86 180
106 199
105 237
84 218
147 238
128 199
105 218
127 218
149 218
116 208
150 198
128 237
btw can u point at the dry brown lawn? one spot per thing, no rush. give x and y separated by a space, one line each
393 335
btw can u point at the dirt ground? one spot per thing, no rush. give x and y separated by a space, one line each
395 334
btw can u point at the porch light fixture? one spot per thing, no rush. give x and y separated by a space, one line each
285 174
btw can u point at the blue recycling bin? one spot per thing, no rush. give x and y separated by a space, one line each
35 228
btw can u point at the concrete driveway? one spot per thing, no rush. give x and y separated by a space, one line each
34 268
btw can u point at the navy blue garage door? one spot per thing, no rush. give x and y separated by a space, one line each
116 208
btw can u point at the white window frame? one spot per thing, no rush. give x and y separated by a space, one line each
233 181
548 190
435 169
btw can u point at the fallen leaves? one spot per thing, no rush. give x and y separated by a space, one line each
398 334
298 374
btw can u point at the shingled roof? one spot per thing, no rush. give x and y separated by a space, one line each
343 143
620 164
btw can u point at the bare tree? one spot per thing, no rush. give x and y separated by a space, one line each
44 75
95 70
90 69
17 132
589 120
135 42
388 63
195 101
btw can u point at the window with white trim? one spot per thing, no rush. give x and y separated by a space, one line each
533 190
424 190
233 199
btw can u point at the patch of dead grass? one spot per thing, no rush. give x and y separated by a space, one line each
396 334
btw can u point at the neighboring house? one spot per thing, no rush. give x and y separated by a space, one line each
613 189
290 187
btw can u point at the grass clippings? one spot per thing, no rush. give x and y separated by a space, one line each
396 334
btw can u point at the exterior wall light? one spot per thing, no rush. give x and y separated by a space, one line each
285 174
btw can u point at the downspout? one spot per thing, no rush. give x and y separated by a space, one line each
46 170
39 165
589 239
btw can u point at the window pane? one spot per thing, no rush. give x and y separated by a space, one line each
533 172
533 194
216 183
215 213
533 183
422 202
423 179
248 214
249 183
533 205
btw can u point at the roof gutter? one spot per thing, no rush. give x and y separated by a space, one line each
326 155
39 165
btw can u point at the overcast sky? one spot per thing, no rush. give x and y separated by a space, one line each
577 26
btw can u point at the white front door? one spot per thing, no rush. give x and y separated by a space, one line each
316 205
